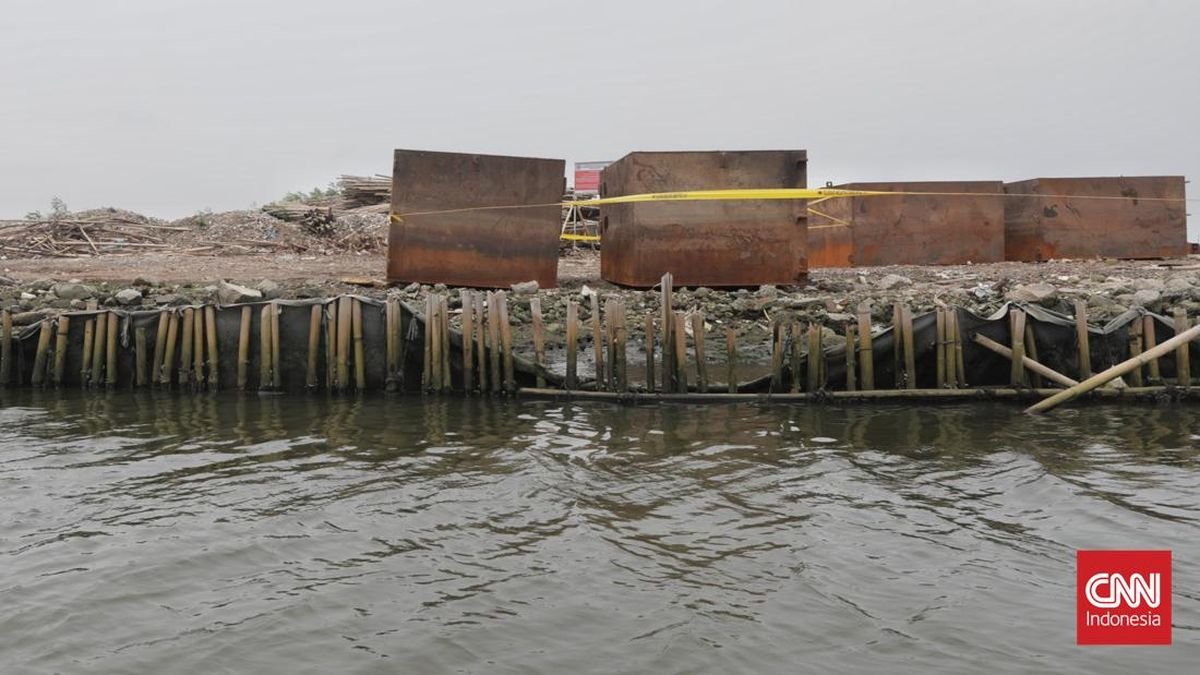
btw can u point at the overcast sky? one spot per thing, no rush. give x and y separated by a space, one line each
171 106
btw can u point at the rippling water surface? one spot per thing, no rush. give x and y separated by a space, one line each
146 533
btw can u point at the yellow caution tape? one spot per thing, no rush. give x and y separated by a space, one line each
715 195
580 237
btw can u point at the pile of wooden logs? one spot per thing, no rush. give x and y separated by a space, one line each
359 191
71 237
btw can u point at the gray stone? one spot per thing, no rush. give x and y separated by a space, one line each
270 289
7 281
525 287
1146 297
232 294
892 281
78 304
1039 293
171 299
128 296
1178 284
768 291
147 282
412 289
27 296
40 284
703 291
28 318
74 291
1148 283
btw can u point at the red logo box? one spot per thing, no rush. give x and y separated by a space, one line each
1123 597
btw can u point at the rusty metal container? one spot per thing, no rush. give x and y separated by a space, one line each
964 223
1062 218
489 248
707 243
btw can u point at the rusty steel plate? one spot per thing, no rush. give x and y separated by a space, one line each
1059 218
492 248
710 243
965 223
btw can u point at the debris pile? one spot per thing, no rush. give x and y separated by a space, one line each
67 235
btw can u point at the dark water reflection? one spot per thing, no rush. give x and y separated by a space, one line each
146 533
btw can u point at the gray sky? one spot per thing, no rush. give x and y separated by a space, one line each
171 106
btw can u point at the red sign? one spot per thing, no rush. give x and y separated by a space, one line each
1123 597
587 177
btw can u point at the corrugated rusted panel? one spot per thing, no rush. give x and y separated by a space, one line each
486 248
1059 218
710 243
964 223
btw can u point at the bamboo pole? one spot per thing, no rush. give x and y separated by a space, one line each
851 366
572 345
185 349
951 315
1151 338
264 347
777 333
699 335
898 345
276 354
1027 362
668 341
198 340
1115 371
731 361
99 347
941 348
401 344
360 362
114 339
960 364
622 344
597 342
60 350
493 310
649 331
539 340
1081 336
797 354
1135 348
1183 363
510 382
160 345
6 351
481 359
468 341
816 358
311 380
210 325
345 318
1111 393
433 323
680 334
1032 352
866 351
40 357
139 356
444 333
331 349
610 344
389 336
243 358
1016 336
910 357
429 333
89 337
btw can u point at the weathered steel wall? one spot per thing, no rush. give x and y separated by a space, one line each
709 243
491 248
1061 218
965 223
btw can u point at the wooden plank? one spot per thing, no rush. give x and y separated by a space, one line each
1084 352
1150 336
1135 350
731 357
60 350
1183 363
539 339
866 351
572 381
699 335
243 358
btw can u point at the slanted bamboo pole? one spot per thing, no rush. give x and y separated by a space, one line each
1135 348
185 349
1027 362
1151 338
360 362
264 348
510 382
680 333
851 366
345 318
539 340
243 357
1183 363
1115 371
60 350
311 380
210 325
139 356
114 339
572 381
1016 335
650 341
40 356
866 352
699 334
1081 336
731 383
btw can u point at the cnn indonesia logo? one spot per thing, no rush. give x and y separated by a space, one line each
1123 597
